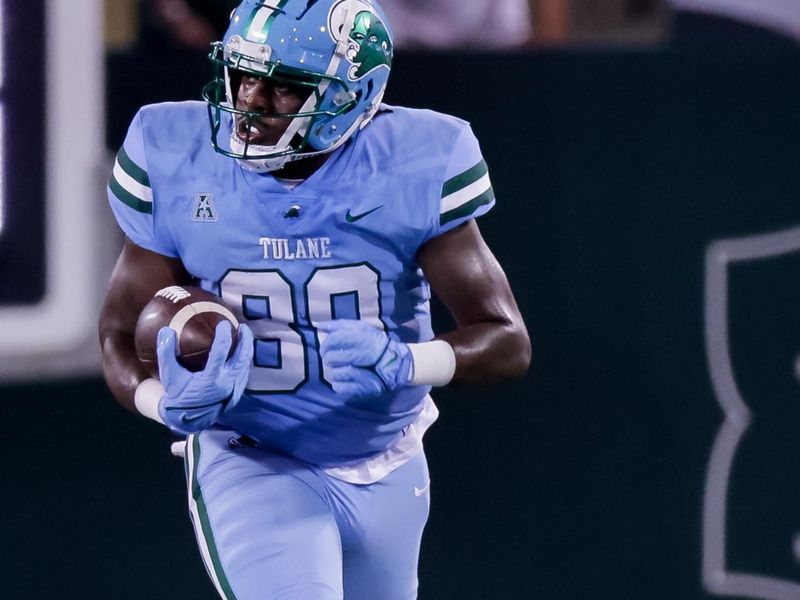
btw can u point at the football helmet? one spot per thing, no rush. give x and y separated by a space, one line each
341 50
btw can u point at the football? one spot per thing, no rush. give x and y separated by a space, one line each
194 314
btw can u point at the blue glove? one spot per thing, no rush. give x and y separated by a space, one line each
194 401
362 361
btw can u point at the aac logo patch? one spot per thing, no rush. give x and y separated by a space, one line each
204 209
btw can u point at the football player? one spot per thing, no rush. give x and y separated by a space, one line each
324 219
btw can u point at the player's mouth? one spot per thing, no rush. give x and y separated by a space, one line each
256 133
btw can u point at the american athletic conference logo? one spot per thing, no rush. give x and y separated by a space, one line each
751 519
203 209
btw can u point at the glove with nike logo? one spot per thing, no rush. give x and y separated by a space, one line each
194 401
361 361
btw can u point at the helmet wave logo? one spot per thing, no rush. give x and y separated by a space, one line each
369 45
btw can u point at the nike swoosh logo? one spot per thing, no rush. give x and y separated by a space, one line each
189 419
419 492
351 218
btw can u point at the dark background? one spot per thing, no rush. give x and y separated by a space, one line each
613 171
22 176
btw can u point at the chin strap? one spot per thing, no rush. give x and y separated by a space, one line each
260 165
265 165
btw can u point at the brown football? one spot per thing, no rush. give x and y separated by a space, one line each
194 314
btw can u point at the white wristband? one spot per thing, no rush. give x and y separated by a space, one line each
146 398
434 363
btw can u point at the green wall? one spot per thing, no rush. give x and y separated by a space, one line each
614 171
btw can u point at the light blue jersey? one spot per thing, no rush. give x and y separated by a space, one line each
341 244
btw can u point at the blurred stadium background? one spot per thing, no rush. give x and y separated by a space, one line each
620 153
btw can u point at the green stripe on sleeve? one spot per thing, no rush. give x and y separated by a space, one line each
467 208
468 177
132 169
205 524
126 197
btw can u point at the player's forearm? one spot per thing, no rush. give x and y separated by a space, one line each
489 352
122 370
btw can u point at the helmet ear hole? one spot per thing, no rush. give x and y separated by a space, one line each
359 95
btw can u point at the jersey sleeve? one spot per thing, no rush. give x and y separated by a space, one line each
467 190
130 192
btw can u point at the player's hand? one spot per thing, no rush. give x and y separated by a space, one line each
194 401
362 361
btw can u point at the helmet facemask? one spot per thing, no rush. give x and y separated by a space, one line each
234 61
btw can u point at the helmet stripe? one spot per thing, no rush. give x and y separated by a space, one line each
261 20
